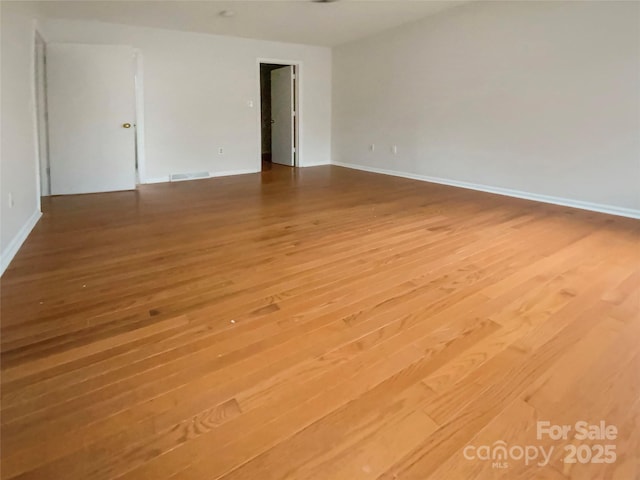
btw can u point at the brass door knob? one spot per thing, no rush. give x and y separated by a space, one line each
126 125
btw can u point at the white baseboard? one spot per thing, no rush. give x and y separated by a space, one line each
147 181
224 173
227 173
565 202
315 164
18 240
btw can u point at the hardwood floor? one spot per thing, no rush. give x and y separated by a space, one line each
317 323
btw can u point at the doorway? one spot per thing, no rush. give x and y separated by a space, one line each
279 114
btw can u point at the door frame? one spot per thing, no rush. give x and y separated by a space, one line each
297 107
138 94
41 115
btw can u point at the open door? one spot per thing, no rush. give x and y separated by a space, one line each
91 102
282 115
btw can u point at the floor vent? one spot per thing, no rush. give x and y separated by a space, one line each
177 177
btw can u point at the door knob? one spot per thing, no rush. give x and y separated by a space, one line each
126 125
273 121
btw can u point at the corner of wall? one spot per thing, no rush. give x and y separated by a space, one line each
20 160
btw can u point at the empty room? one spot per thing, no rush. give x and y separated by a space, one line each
320 240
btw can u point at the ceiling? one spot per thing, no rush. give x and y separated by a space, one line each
297 21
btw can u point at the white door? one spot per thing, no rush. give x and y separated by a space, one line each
91 101
282 125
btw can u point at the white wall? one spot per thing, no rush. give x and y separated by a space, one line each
18 152
538 97
196 93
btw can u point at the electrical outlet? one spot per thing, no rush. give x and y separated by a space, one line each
372 147
220 151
